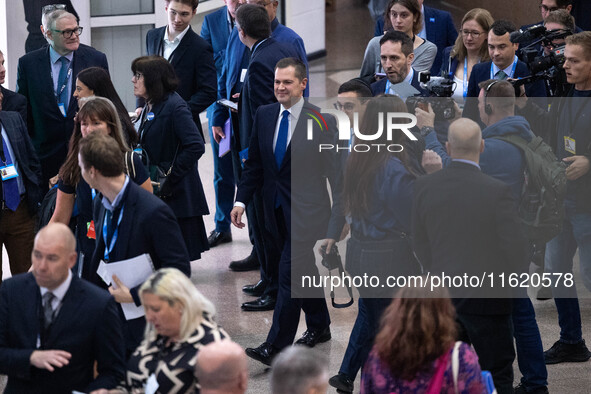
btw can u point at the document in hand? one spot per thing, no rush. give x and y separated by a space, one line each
131 272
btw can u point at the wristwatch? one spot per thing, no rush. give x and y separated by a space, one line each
425 130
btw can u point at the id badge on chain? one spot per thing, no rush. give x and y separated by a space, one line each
8 172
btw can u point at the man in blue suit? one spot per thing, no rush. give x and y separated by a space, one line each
190 55
216 30
503 65
10 100
46 77
397 55
129 222
438 27
55 326
296 204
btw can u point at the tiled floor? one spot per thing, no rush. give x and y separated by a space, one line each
211 275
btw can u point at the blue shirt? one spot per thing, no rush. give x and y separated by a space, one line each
56 66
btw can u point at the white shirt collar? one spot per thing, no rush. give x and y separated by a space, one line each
177 38
60 291
295 110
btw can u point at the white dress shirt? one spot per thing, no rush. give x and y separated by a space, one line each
170 46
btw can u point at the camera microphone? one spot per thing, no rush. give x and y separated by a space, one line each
530 34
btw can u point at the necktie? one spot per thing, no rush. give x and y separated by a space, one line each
501 75
61 80
48 308
281 145
11 195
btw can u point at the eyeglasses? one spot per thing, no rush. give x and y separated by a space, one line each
474 34
138 76
543 8
259 2
348 107
52 7
69 33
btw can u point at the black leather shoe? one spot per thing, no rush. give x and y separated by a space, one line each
217 238
520 389
565 352
264 353
255 290
342 383
264 303
313 337
248 264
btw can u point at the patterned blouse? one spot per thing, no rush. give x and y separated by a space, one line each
376 377
174 364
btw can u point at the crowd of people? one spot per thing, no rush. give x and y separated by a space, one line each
107 305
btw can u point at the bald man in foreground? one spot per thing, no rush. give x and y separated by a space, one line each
54 326
465 222
221 368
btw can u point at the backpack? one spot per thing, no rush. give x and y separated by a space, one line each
540 208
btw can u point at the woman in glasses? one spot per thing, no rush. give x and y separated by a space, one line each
471 48
404 16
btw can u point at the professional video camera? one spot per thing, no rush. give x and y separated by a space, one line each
541 67
440 91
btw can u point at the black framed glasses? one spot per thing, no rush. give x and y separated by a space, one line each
69 33
473 33
348 106
138 76
544 8
52 7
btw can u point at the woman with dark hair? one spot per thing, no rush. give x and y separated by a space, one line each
172 145
96 115
414 350
377 195
471 48
95 81
404 16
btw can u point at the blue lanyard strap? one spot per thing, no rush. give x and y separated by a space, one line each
511 75
465 82
110 245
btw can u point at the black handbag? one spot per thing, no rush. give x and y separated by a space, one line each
158 175
331 262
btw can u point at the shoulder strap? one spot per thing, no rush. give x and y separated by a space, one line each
455 364
129 164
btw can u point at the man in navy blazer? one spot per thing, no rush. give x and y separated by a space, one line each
136 222
397 56
11 101
504 65
438 27
18 222
190 55
55 326
292 172
216 30
50 125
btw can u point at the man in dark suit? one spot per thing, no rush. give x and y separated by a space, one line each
54 326
396 53
34 12
20 195
190 55
438 28
216 30
296 204
10 100
480 225
503 65
134 221
46 77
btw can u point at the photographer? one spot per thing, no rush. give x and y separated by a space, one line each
559 20
566 128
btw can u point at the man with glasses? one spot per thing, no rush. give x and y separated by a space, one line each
46 78
546 7
35 10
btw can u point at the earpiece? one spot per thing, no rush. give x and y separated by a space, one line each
487 107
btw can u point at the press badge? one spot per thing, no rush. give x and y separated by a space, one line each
243 74
151 385
570 145
8 172
62 108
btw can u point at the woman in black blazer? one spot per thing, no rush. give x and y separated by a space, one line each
172 145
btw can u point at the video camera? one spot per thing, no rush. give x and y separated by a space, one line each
440 88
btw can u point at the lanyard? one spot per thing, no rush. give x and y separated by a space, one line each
110 245
511 75
65 84
256 46
389 84
465 82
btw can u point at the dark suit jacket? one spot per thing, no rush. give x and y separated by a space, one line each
14 102
302 192
441 31
477 230
28 162
172 125
481 72
258 85
194 67
49 129
379 87
216 32
87 326
148 226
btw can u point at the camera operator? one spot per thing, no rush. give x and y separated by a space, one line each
566 128
546 8
559 20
